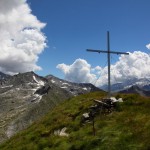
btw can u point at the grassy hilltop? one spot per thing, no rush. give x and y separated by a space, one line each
126 128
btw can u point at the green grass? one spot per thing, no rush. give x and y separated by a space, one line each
127 128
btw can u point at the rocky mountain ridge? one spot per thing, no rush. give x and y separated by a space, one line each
72 88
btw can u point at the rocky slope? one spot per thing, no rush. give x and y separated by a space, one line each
27 97
126 127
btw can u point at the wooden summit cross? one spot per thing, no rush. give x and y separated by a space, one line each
108 57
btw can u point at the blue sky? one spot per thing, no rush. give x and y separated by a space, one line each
75 25
51 37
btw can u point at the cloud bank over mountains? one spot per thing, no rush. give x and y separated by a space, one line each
21 39
135 64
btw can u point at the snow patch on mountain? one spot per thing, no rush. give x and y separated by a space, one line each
85 89
64 87
66 84
7 86
53 81
10 131
39 82
36 98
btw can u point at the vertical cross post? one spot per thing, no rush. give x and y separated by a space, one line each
108 52
108 55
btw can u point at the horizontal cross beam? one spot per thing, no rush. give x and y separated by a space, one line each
102 51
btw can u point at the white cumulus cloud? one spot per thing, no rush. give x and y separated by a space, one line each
134 65
148 46
79 71
21 39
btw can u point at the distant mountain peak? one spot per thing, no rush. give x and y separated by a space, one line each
135 89
4 76
142 83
